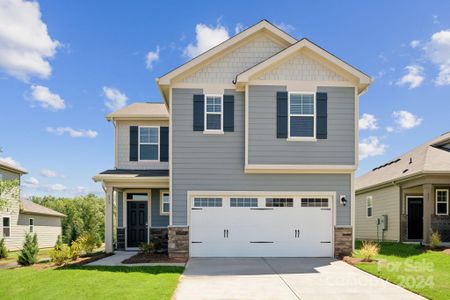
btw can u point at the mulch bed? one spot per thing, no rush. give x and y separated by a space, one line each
142 258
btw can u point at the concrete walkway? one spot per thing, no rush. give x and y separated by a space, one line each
282 278
119 256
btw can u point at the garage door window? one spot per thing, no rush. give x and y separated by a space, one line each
279 202
207 202
314 202
244 202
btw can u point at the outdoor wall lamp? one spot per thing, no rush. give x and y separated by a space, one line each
343 200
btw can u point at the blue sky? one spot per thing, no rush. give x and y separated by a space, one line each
65 64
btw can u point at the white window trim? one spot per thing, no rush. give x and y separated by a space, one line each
213 131
8 217
436 202
139 143
299 138
30 226
161 206
367 206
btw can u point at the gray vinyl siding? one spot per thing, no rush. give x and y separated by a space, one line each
266 148
216 162
386 201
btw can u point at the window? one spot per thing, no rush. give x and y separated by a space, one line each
148 143
441 202
207 202
6 226
31 222
279 202
314 202
301 123
137 196
369 206
165 203
244 202
213 113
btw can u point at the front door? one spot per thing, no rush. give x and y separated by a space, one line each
136 223
415 218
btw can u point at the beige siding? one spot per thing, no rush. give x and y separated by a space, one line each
123 146
386 201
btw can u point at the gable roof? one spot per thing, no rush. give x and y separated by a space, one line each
140 110
363 79
432 157
9 167
29 207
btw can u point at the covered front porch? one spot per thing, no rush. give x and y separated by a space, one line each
137 208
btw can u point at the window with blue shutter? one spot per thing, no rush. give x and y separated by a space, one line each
164 144
214 113
134 143
148 143
321 115
301 115
282 115
199 112
228 113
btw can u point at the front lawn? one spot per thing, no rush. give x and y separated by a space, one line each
89 282
424 272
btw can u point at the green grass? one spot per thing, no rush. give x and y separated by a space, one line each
90 282
426 273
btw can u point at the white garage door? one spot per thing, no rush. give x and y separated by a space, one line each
274 226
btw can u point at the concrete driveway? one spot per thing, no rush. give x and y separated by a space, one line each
282 278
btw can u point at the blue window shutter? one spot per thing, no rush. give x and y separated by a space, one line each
134 141
322 115
282 115
199 112
228 113
164 144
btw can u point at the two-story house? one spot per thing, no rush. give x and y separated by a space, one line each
252 153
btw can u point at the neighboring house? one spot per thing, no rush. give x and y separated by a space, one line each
252 153
21 216
412 191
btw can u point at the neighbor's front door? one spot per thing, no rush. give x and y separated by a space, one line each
415 218
136 223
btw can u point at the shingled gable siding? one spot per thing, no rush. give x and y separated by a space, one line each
337 149
216 163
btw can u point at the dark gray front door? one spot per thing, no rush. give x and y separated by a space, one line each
415 218
136 223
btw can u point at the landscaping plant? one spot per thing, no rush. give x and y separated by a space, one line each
3 250
369 250
147 248
29 252
435 240
75 250
61 254
88 242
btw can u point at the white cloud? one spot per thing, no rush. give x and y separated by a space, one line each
285 27
48 173
25 45
406 120
31 183
151 58
414 77
438 51
238 28
46 98
371 146
11 161
414 43
115 99
368 121
435 19
206 37
389 129
57 187
72 132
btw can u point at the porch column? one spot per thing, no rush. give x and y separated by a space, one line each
109 202
428 210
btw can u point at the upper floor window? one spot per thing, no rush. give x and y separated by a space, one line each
369 206
165 203
441 202
148 143
302 115
6 222
213 113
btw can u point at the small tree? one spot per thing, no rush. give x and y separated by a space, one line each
435 240
29 252
369 250
3 250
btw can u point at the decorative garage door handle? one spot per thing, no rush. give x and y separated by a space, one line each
297 233
225 233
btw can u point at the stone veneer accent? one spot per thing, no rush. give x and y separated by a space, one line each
442 225
343 241
178 242
160 236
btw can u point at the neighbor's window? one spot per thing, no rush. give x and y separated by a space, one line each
165 203
279 202
149 143
6 226
31 222
301 115
441 202
369 206
213 113
207 202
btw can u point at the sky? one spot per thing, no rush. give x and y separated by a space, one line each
64 65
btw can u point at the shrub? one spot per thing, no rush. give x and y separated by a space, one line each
3 250
61 254
75 250
147 248
29 252
435 240
88 242
369 250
